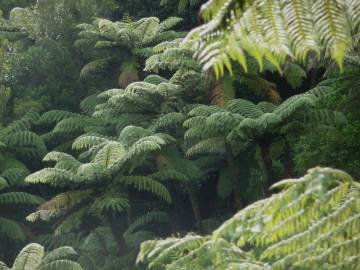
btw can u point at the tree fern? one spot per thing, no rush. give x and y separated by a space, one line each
11 229
310 223
33 257
210 128
29 257
19 141
133 36
292 29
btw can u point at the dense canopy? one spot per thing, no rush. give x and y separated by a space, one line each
176 135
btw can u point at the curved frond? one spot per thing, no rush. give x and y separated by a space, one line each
29 257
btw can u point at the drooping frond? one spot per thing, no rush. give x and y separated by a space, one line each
19 198
61 253
59 205
3 266
26 139
33 257
148 218
15 176
52 176
311 223
88 104
143 183
61 264
111 153
95 66
29 257
11 229
110 202
274 30
55 116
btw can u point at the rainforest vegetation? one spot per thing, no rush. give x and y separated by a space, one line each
177 135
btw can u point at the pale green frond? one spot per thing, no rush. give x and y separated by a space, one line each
3 266
61 264
273 30
169 23
147 29
59 254
88 141
59 205
29 257
111 153
53 176
311 223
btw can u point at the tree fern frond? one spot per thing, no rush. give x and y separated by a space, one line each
111 203
143 183
111 153
11 229
312 222
26 139
59 254
52 176
15 176
148 218
3 266
61 264
155 79
19 198
169 23
3 183
29 257
71 223
169 120
274 31
59 204
211 145
95 66
88 104
55 116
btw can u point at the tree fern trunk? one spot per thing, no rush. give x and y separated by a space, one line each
235 175
117 230
288 162
194 204
267 166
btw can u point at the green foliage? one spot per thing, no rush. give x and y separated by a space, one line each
274 30
124 44
311 223
176 148
33 257
113 163
18 143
